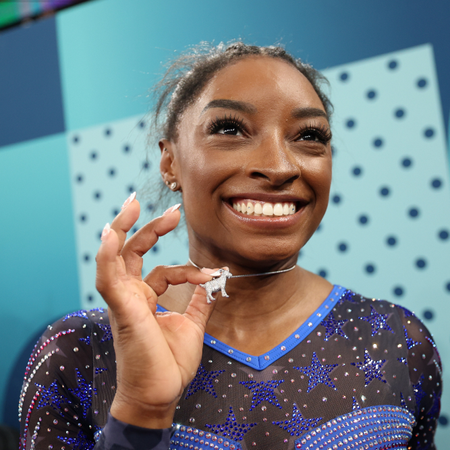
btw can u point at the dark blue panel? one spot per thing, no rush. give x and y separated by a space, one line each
30 90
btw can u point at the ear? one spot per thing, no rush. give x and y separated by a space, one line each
167 165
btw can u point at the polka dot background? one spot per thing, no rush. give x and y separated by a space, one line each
387 230
108 163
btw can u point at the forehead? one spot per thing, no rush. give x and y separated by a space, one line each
263 81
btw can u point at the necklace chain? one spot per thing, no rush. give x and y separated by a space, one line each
251 274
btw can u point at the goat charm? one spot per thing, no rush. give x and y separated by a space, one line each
217 284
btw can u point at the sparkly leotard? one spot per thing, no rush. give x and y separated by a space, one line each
359 373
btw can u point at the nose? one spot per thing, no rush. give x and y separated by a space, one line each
273 161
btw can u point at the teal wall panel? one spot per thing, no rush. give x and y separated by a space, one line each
38 274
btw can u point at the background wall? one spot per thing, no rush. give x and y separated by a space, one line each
73 100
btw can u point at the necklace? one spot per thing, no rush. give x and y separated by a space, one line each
218 284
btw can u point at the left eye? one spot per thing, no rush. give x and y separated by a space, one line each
315 135
229 129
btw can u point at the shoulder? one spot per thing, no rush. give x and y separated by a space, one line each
59 377
388 316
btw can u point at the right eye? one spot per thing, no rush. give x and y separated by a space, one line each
228 126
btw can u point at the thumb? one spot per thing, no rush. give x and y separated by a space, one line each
199 310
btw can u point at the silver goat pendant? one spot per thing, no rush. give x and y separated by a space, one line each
217 284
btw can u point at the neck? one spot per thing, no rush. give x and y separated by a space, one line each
261 311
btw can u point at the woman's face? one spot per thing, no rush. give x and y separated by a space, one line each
253 160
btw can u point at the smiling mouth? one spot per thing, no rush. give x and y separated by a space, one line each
268 209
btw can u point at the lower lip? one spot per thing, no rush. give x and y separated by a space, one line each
267 221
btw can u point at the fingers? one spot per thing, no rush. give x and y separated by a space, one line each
145 238
199 310
108 269
161 276
125 220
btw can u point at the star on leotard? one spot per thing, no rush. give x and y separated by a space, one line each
231 428
377 321
435 408
333 326
79 443
347 296
355 404
83 392
403 403
318 373
406 312
371 368
298 424
203 381
409 341
107 334
419 393
82 313
263 392
50 396
86 340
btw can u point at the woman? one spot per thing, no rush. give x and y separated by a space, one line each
282 359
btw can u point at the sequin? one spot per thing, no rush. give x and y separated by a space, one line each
333 326
318 373
377 321
263 391
203 381
231 428
298 424
371 368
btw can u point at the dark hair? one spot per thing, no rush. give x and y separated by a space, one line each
187 75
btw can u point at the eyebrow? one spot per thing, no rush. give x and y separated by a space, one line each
231 104
298 113
302 113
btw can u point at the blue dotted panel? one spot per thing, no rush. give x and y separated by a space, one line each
108 163
386 232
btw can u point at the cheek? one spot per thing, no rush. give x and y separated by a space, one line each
318 175
203 170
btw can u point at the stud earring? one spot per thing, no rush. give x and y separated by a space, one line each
164 149
174 186
168 183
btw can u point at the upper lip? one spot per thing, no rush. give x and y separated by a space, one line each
269 198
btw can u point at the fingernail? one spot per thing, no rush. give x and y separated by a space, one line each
129 200
172 209
208 271
105 231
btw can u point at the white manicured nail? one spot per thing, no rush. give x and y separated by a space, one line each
129 200
105 231
172 209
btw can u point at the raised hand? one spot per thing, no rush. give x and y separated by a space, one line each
157 353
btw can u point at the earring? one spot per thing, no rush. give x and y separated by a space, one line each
168 183
164 149
174 186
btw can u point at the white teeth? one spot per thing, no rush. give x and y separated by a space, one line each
254 208
278 209
267 209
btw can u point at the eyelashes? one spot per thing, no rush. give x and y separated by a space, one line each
229 125
232 125
314 133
